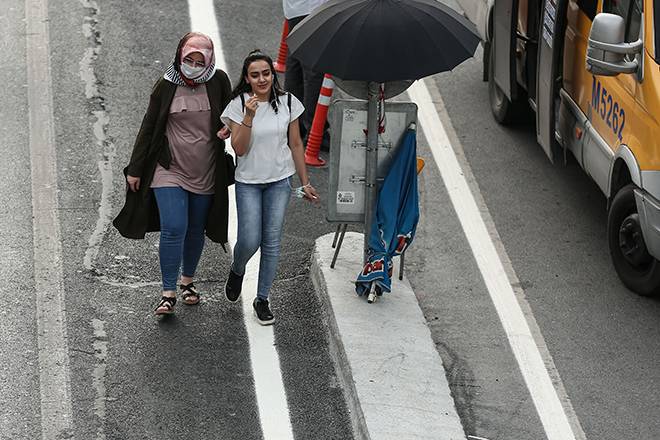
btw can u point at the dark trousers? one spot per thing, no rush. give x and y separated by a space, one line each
305 84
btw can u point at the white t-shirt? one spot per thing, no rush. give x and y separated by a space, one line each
298 8
295 8
268 158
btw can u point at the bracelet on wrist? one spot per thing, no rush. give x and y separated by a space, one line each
245 125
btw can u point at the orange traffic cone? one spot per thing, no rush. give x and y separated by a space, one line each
315 136
280 64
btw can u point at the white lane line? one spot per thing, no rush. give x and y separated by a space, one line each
54 379
534 371
269 387
271 395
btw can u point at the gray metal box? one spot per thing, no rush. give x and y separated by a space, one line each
348 122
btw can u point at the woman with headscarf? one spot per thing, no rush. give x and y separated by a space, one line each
177 176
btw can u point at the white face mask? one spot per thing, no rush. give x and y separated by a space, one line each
191 72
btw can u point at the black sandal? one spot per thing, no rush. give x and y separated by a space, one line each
188 290
167 302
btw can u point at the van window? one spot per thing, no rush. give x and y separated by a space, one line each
631 11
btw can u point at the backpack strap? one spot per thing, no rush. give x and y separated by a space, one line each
288 127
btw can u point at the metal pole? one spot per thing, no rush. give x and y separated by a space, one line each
371 190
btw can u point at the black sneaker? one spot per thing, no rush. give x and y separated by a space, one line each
262 311
233 286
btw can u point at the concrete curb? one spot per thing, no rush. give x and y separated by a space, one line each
391 375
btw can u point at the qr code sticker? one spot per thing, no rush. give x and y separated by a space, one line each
345 197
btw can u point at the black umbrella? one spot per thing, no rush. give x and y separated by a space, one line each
383 40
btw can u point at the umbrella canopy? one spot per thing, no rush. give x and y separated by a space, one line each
383 40
394 225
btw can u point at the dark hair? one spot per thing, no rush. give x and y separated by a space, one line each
243 87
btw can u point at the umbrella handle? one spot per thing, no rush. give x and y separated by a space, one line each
373 293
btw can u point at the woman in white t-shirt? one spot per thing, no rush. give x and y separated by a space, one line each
265 135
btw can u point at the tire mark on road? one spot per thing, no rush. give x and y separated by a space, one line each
461 380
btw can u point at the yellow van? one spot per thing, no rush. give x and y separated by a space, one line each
590 71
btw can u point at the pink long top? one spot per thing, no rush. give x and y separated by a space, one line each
191 143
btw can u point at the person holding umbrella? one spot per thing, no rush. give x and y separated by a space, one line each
263 120
303 82
177 176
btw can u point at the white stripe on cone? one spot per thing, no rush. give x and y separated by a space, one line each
325 100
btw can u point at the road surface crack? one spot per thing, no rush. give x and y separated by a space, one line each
104 143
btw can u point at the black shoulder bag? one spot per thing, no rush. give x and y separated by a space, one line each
231 169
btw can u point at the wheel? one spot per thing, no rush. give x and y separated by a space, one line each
504 111
638 269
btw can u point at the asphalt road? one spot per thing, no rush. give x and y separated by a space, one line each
134 377
551 220
19 373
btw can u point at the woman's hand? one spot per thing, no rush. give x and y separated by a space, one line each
133 183
223 133
251 107
311 194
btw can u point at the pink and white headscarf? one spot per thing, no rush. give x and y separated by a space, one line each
192 42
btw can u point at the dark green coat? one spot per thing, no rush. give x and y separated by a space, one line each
140 212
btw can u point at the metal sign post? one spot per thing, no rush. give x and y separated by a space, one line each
352 148
371 164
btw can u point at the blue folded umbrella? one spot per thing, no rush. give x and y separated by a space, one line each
394 224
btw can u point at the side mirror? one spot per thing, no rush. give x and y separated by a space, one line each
606 52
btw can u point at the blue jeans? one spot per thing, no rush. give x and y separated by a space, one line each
260 209
182 222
